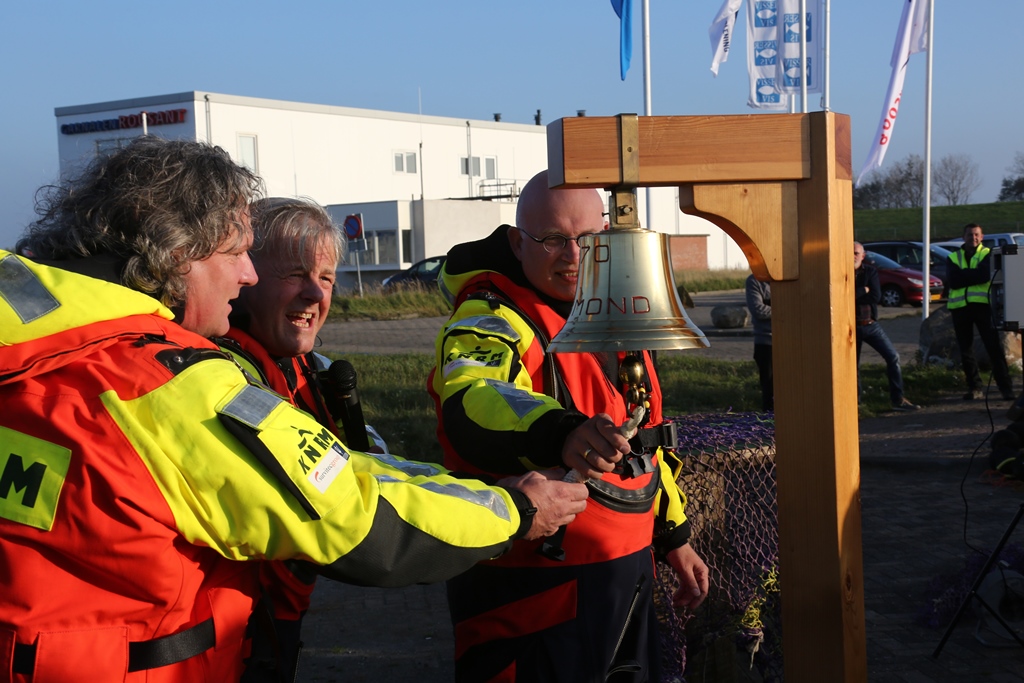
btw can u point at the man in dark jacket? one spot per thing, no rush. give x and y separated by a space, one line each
867 295
759 301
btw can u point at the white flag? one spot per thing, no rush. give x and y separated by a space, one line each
721 33
790 28
911 37
918 41
763 55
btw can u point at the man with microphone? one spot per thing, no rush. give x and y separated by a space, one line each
274 324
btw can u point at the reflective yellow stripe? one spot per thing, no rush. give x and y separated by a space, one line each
975 294
486 498
223 497
521 402
978 294
252 405
34 302
487 324
23 291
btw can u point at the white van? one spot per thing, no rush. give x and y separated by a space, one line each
996 239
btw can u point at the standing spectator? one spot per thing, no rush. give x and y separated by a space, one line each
969 273
759 301
868 292
505 406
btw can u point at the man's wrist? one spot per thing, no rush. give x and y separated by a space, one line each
526 511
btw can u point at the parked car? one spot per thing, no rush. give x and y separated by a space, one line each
423 273
908 254
901 285
996 239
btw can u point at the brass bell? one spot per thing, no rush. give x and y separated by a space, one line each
626 297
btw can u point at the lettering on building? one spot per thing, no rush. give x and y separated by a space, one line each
153 118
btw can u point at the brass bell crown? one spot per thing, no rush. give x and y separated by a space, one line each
626 297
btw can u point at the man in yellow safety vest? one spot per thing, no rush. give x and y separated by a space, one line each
969 275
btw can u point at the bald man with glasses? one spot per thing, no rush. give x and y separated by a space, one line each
582 608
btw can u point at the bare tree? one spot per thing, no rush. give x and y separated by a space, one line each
1017 167
956 177
1013 184
905 182
870 195
898 187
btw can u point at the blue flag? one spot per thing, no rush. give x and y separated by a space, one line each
624 10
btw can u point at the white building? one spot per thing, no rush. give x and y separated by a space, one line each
422 183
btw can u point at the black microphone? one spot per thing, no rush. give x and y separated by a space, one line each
341 378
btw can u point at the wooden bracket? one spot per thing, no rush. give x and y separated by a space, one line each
781 186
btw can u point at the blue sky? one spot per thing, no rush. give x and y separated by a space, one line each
472 58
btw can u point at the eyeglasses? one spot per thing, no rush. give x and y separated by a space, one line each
554 243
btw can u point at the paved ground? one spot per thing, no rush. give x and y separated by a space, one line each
417 334
921 496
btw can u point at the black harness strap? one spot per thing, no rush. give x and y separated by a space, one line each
664 435
146 654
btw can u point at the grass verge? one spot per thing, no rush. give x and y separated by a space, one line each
922 384
712 280
417 301
392 389
394 399
410 301
947 222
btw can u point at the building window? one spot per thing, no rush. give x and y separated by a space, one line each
247 155
109 146
407 246
379 246
490 167
405 162
476 166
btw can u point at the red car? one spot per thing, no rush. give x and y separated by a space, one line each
901 285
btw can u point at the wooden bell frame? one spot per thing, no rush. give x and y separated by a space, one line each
781 186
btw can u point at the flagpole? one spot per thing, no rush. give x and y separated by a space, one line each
927 228
803 56
826 74
647 88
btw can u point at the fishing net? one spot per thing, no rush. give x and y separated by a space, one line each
728 474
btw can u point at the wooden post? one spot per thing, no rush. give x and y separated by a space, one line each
780 185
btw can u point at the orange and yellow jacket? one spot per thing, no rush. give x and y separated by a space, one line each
505 407
140 471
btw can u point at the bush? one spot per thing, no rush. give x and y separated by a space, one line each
712 280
